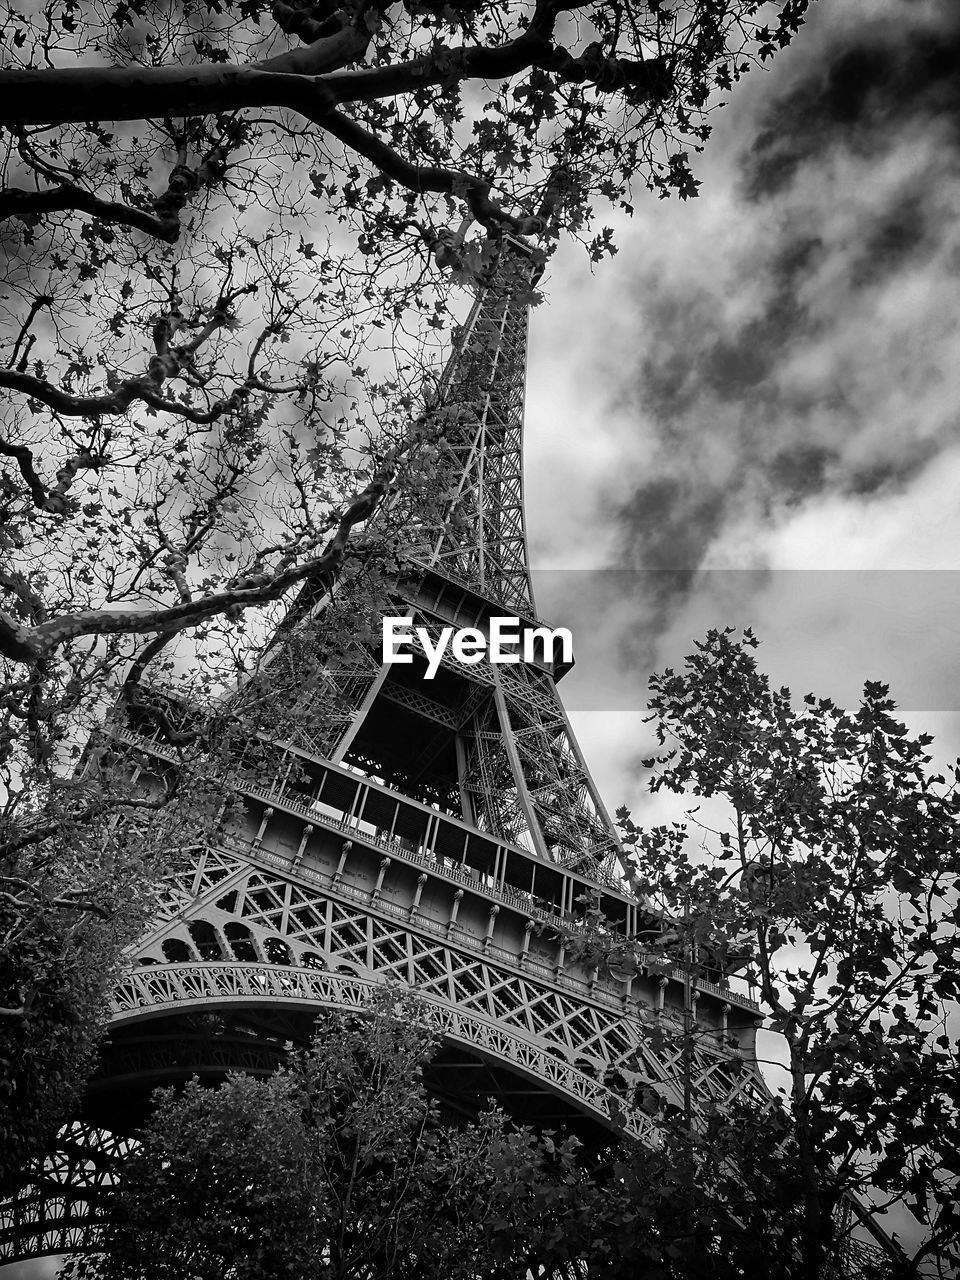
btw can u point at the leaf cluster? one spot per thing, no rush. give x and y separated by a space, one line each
336 1166
81 863
826 874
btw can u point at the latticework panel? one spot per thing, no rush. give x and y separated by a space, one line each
175 988
488 778
575 827
316 674
62 1201
480 537
265 919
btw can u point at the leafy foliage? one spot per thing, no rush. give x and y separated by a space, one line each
212 234
830 880
77 884
337 1166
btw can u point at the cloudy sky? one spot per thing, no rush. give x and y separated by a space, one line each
752 413
751 417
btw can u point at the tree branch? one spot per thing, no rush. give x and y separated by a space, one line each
647 79
18 642
81 904
308 82
532 48
86 406
75 94
343 43
40 301
24 457
52 498
202 417
297 80
167 363
32 645
26 205
99 806
420 178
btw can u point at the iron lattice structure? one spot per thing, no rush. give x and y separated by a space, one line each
493 743
444 834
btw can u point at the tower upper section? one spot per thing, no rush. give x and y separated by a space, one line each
478 538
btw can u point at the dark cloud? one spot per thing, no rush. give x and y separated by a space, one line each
897 239
671 523
667 526
711 390
730 430
690 351
892 474
800 469
755 414
875 80
674 324
739 362
791 262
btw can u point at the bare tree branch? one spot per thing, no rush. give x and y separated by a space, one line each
169 362
40 301
32 644
24 458
26 205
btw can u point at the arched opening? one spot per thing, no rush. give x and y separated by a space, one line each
241 943
176 951
277 951
205 937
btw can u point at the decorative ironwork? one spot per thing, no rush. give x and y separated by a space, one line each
331 928
61 1202
480 539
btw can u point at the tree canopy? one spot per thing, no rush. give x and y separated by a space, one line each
824 871
340 1166
337 1166
211 208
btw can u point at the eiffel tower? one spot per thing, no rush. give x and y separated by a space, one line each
445 835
